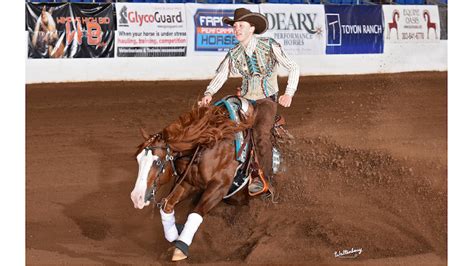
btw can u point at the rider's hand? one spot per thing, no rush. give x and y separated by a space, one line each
205 100
285 100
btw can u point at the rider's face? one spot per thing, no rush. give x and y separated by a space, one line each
243 31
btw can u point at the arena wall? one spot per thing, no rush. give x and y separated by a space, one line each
397 56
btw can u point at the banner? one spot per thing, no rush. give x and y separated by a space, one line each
151 30
354 29
210 33
300 29
411 23
70 30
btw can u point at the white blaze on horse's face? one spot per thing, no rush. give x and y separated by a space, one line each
145 161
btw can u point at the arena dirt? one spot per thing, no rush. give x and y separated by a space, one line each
367 169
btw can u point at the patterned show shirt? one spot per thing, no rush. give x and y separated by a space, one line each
257 64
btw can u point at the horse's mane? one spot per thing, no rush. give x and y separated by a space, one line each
203 126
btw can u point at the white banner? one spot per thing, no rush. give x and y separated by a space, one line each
151 30
411 23
210 36
300 29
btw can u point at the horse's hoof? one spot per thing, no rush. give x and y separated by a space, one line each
178 255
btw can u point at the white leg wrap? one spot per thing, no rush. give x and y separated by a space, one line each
169 226
190 228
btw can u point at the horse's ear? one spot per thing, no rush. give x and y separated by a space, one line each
144 134
50 10
44 9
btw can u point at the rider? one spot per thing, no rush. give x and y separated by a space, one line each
256 58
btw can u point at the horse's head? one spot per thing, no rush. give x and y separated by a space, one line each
154 168
48 26
44 16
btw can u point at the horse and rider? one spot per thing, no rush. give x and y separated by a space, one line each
199 151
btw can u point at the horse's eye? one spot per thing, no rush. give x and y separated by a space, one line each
158 162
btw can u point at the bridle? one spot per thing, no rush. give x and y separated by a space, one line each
161 165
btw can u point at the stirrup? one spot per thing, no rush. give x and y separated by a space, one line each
265 186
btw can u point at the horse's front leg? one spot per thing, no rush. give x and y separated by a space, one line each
213 194
167 212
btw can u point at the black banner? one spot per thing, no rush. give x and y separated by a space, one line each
70 30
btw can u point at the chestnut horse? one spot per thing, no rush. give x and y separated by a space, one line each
198 151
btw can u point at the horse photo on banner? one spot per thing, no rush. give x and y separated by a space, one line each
70 30
46 39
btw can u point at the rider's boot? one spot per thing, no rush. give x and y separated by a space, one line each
256 186
258 183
